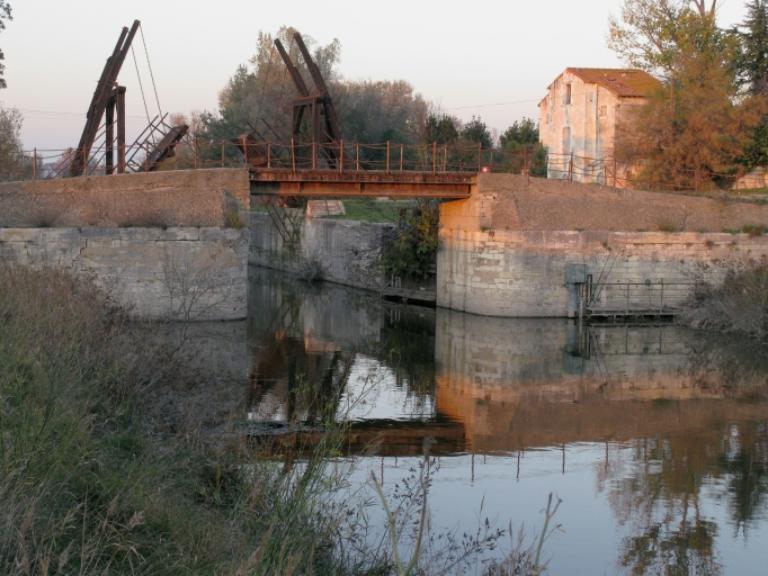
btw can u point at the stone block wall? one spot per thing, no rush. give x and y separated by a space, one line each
175 273
520 248
525 274
342 251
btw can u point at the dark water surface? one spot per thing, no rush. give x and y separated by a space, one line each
655 438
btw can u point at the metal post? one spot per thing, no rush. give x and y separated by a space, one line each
401 157
341 155
661 298
479 156
222 153
387 162
627 310
34 164
445 157
269 155
293 155
570 168
121 160
314 155
434 157
109 136
244 144
357 157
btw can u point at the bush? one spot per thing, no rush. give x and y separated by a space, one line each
737 305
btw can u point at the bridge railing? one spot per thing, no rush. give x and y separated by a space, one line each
387 157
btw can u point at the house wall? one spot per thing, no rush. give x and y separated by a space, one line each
592 116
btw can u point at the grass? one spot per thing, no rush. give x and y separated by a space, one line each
90 482
372 210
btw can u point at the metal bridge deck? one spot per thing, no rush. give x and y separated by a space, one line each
352 183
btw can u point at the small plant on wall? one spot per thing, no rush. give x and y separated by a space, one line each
413 252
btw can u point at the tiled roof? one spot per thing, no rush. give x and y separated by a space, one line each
622 81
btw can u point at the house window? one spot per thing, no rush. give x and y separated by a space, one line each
603 110
567 98
567 140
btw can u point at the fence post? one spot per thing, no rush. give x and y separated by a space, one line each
222 153
244 144
341 155
434 157
387 162
479 156
401 157
293 155
525 162
269 155
445 157
570 168
615 170
34 164
314 155
661 298
194 151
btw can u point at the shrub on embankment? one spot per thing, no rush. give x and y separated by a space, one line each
737 305
92 483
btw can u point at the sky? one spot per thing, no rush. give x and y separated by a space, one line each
490 58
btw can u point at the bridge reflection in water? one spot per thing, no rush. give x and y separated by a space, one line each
656 438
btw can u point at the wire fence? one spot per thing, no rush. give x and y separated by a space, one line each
386 157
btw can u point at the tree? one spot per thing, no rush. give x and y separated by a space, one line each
521 148
477 131
5 14
522 133
653 34
12 161
260 94
752 62
693 131
375 112
752 70
440 128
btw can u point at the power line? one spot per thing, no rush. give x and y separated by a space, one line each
494 104
34 111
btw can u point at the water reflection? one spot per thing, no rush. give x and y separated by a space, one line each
655 437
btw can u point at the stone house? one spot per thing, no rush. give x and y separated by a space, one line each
580 117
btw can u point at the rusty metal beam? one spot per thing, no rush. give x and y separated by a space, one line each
165 148
294 72
100 98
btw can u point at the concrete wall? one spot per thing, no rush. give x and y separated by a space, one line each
182 273
177 198
514 249
343 251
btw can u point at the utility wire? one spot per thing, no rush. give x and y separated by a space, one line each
141 88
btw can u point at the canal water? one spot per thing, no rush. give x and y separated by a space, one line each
654 438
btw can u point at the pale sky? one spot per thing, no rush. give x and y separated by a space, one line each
492 58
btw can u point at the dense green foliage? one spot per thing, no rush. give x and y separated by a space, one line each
412 254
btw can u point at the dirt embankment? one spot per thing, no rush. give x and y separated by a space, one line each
515 203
